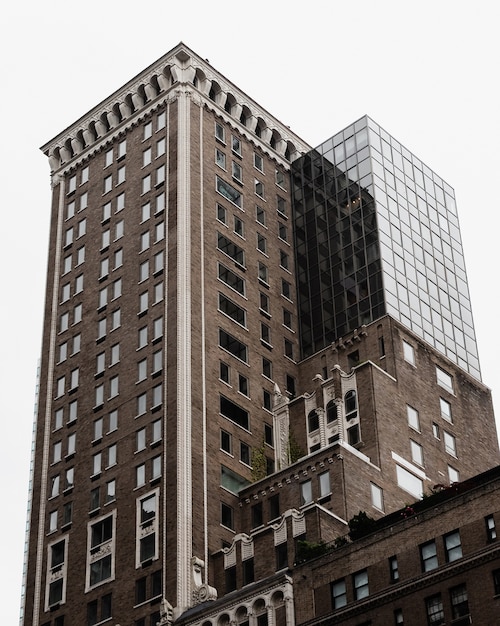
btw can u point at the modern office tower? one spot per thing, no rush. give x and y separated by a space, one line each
210 342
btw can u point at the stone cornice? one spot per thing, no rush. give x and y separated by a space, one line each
148 90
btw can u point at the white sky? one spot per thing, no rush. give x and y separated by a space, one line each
427 72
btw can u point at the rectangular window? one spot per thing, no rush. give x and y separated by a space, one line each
245 453
225 441
229 192
231 279
413 419
445 407
219 132
263 274
409 482
234 412
496 581
450 443
147 528
233 345
259 188
377 496
264 303
360 585
286 289
408 353
339 594
265 333
157 395
237 172
232 310
227 516
236 145
258 162
121 175
261 243
417 455
122 148
305 492
231 249
100 551
444 379
452 546
260 215
393 568
491 532
428 556
435 612
243 385
224 372
281 205
459 601
267 370
324 484
148 130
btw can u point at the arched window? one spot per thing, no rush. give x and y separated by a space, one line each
351 405
331 411
313 421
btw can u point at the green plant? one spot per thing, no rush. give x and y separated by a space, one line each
307 550
295 452
259 463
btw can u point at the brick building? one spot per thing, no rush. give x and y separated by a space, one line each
246 343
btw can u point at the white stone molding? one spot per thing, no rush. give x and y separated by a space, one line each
298 523
280 532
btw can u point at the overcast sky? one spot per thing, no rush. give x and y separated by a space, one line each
427 74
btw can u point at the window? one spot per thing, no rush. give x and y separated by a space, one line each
264 303
120 202
225 441
100 542
56 581
71 444
435 431
63 352
237 172
69 479
266 400
106 212
281 563
234 412
79 284
284 260
258 162
221 214
245 455
73 411
233 345
157 361
449 443
122 148
339 594
156 467
267 368
121 175
98 429
496 581
77 340
444 379
409 482
57 452
111 455
108 184
393 568
324 484
157 395
140 475
144 241
158 262
148 130
227 516
232 250
263 274
159 231
243 385
232 310
428 556
239 226
313 421
265 333
66 265
236 145
113 421
408 353
417 454
452 546
119 229
435 612
491 531
65 292
58 419
54 486
224 372
105 239
96 463
445 409
160 147
459 601
60 385
281 205
453 475
305 492
219 132
260 215
377 496
160 177
286 289
274 506
413 419
143 271
261 243
157 328
146 157
360 585
147 528
280 178
231 279
229 192
282 232
156 432
64 322
146 184
118 259
143 302
259 188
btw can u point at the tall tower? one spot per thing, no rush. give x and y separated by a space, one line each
171 336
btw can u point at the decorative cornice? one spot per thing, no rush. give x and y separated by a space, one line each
150 89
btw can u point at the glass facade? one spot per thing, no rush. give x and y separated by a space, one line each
376 232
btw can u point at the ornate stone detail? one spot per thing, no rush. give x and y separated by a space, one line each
201 591
166 613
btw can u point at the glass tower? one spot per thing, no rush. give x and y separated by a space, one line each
376 233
